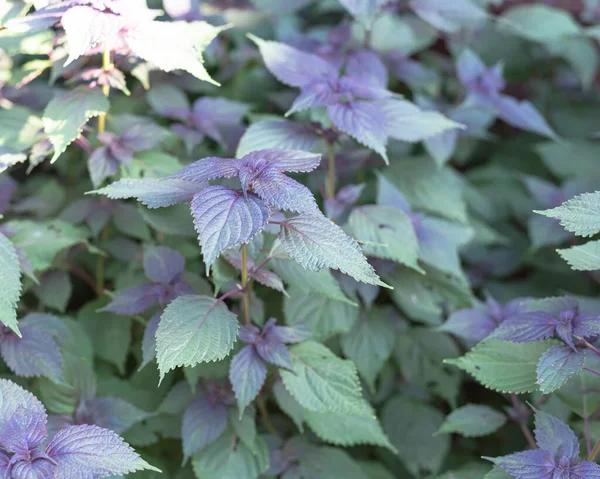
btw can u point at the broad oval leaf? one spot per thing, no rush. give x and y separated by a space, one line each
473 420
204 420
316 243
223 218
194 329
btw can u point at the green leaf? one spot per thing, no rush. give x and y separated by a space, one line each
579 215
539 23
316 243
322 382
19 128
227 458
173 220
387 232
411 427
348 430
324 317
580 53
585 257
329 463
429 188
473 420
10 278
289 405
310 282
245 428
472 470
55 289
583 158
369 343
42 241
557 365
66 114
194 329
503 365
130 222
497 473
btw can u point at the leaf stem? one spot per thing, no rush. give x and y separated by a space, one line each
100 266
590 346
246 296
595 451
593 371
330 185
264 415
523 422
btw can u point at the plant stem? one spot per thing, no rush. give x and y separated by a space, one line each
330 185
264 415
246 296
595 451
590 346
106 65
593 371
586 423
522 422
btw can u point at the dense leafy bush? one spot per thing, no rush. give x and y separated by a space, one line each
299 239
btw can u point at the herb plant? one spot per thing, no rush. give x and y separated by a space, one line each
243 239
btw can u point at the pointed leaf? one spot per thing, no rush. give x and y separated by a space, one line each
579 215
115 414
247 375
10 277
473 420
163 265
277 134
83 451
194 329
317 243
209 169
584 257
554 436
66 114
537 464
204 421
322 382
223 218
557 365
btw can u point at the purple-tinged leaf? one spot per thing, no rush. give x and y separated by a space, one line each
204 421
407 122
292 66
8 186
86 27
272 350
247 375
34 354
263 276
344 199
363 121
448 16
557 365
83 452
136 300
33 464
523 115
536 464
526 327
209 169
103 164
389 195
554 436
24 430
217 111
170 101
250 334
163 265
149 340
587 324
223 218
42 18
294 161
545 193
55 289
585 470
292 334
316 243
152 192
367 62
4 461
279 190
470 324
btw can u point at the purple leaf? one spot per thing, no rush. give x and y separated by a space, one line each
345 198
83 452
188 10
471 324
557 365
263 276
247 375
151 192
389 195
4 461
204 421
554 436
209 169
163 265
33 464
522 114
13 396
136 300
278 190
587 324
102 164
224 218
217 111
292 334
294 161
272 349
363 121
448 16
469 67
526 327
149 341
142 136
292 66
24 430
585 470
537 464
34 354
367 62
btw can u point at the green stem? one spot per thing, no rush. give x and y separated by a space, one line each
246 296
330 186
